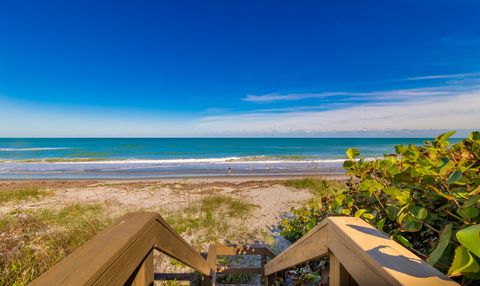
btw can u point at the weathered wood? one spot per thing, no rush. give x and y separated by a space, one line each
86 265
310 246
374 259
339 276
247 249
359 253
212 263
369 256
263 261
144 275
112 256
171 243
216 250
241 270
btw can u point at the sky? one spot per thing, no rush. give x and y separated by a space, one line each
239 68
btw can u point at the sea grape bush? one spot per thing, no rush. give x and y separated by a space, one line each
425 197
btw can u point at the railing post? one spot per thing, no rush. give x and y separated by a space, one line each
145 274
339 276
263 261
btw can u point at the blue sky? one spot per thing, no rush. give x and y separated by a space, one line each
239 68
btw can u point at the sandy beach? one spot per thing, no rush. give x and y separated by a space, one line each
245 209
166 196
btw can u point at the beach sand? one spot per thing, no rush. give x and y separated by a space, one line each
170 194
272 200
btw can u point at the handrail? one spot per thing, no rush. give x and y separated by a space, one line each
123 254
216 250
358 252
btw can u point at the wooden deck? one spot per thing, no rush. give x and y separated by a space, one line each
359 255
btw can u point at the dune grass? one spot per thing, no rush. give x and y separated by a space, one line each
33 241
21 194
212 219
318 187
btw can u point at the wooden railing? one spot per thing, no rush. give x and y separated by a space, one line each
216 250
359 255
123 254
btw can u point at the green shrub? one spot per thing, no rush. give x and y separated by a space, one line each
303 219
425 197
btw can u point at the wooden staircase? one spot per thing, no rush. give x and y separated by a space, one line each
359 255
260 253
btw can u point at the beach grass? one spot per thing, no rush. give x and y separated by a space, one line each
318 186
212 218
21 194
33 241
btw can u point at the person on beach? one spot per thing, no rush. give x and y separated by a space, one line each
229 171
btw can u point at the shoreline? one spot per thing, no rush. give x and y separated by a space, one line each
225 178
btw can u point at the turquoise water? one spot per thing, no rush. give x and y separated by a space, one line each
161 157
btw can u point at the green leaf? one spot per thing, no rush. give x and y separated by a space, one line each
360 212
338 201
369 216
443 137
411 223
403 240
471 201
468 213
352 153
454 177
399 149
380 224
348 200
444 240
311 224
348 165
475 135
402 196
422 213
392 212
470 238
463 263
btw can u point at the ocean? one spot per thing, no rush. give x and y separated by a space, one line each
133 158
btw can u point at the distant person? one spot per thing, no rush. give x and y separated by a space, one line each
229 171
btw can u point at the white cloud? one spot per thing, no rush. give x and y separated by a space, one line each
270 97
440 108
399 94
459 82
452 112
446 76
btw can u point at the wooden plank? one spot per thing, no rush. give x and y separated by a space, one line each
113 255
212 263
339 276
149 269
310 246
374 259
144 275
170 243
85 265
130 258
246 249
241 270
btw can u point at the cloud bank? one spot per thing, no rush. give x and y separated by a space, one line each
413 112
453 112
